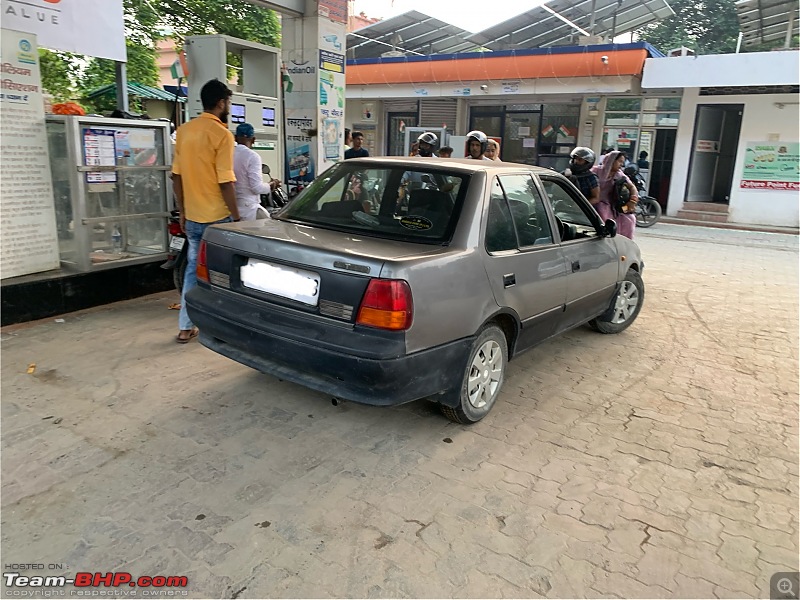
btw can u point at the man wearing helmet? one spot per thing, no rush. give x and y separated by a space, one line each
476 145
581 160
426 145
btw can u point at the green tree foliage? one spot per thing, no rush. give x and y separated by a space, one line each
141 68
705 26
147 21
57 69
236 18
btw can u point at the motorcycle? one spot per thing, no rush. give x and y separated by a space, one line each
276 200
178 250
648 210
177 256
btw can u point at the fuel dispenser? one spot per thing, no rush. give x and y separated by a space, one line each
255 101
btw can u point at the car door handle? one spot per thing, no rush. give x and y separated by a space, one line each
576 266
509 280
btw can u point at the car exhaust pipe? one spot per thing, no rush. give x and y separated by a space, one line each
337 401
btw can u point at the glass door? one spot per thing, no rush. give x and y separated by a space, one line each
491 125
520 140
396 133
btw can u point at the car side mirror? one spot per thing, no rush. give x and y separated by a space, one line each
611 228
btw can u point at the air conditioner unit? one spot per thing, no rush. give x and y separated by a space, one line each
682 51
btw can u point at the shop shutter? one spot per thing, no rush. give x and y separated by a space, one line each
435 113
400 106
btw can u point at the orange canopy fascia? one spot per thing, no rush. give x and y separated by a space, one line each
502 66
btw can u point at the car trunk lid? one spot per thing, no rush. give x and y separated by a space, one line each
308 269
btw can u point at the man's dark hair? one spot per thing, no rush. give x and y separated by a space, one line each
357 134
346 132
446 150
609 149
212 92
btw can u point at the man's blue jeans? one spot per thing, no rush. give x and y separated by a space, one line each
194 233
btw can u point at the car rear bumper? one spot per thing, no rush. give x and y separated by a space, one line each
384 381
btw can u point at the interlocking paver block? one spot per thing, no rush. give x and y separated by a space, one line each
675 476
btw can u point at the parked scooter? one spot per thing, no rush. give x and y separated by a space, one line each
648 210
178 250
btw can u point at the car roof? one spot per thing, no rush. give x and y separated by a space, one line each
456 164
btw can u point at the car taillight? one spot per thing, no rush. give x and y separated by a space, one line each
174 228
387 304
202 268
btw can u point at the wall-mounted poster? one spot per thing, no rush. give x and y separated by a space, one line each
28 239
331 97
771 166
99 150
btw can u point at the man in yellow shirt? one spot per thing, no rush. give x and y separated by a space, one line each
203 182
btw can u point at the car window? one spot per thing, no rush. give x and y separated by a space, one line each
527 210
568 210
381 202
499 223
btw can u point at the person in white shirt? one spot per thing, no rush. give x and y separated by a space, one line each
247 167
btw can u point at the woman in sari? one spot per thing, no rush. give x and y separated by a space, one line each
608 174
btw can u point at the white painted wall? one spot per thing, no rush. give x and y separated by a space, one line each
354 114
597 86
762 120
717 70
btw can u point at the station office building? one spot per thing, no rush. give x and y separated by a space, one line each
702 120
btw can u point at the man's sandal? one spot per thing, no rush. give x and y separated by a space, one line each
190 333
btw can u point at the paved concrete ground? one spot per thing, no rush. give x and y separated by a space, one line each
662 462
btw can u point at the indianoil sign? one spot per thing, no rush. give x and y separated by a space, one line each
71 25
771 166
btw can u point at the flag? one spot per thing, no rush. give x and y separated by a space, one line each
547 130
287 82
564 130
176 69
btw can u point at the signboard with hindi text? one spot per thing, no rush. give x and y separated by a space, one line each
28 239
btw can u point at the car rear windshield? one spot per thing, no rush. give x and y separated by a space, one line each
417 204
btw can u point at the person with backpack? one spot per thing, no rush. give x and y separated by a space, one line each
618 196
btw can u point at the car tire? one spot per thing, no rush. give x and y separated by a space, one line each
483 377
627 304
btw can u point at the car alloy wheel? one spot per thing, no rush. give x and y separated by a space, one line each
485 375
626 302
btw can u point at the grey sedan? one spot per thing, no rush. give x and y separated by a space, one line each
394 279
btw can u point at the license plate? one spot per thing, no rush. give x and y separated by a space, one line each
176 243
286 282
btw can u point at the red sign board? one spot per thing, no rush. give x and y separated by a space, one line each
335 10
769 185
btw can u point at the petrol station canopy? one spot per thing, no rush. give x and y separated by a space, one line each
763 21
555 23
